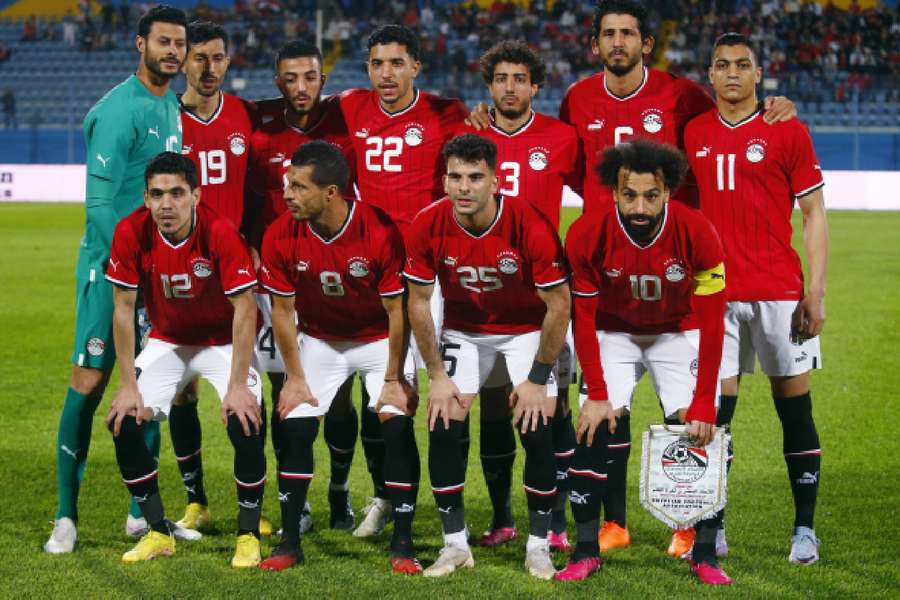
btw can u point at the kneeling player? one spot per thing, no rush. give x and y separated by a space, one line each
649 283
342 261
197 279
504 282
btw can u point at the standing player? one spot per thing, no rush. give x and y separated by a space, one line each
340 262
133 122
398 132
536 156
305 116
197 278
629 100
217 129
504 282
648 281
750 175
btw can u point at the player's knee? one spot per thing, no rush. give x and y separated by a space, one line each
789 387
87 381
240 440
446 436
494 403
394 427
540 440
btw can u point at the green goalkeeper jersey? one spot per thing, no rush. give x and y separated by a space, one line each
122 132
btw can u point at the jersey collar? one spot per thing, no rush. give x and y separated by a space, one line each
212 117
499 199
510 134
340 231
656 237
416 96
743 121
186 239
632 94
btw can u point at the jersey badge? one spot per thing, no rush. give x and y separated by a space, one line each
414 135
96 346
653 121
201 267
237 144
507 262
674 270
358 266
596 125
538 158
756 150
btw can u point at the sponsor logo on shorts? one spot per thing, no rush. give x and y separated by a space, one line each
683 463
695 367
538 158
653 121
237 144
201 267
756 150
358 266
414 135
507 262
96 346
252 379
803 356
674 270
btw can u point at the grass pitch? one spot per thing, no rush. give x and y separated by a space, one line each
855 403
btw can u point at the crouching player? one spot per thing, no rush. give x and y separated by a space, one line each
197 279
648 286
505 286
340 262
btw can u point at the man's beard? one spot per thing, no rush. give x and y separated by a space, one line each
641 233
511 113
153 65
620 70
305 111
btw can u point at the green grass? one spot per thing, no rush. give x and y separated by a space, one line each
855 406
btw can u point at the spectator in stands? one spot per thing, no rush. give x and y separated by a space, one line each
5 53
69 28
9 109
29 30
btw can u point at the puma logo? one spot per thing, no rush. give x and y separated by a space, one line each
153 131
72 453
102 160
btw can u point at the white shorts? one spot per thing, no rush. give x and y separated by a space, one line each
267 353
470 357
564 368
671 359
328 364
164 369
763 329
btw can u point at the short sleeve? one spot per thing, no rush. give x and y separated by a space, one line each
548 261
276 265
580 246
420 267
391 256
804 171
123 266
235 268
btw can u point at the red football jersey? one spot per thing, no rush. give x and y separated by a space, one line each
642 290
659 109
185 285
274 143
338 283
749 175
220 148
535 161
489 280
399 164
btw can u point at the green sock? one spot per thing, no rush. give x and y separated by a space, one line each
151 438
72 443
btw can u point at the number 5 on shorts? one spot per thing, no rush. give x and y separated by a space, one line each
449 359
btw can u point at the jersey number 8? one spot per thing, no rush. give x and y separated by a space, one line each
331 283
